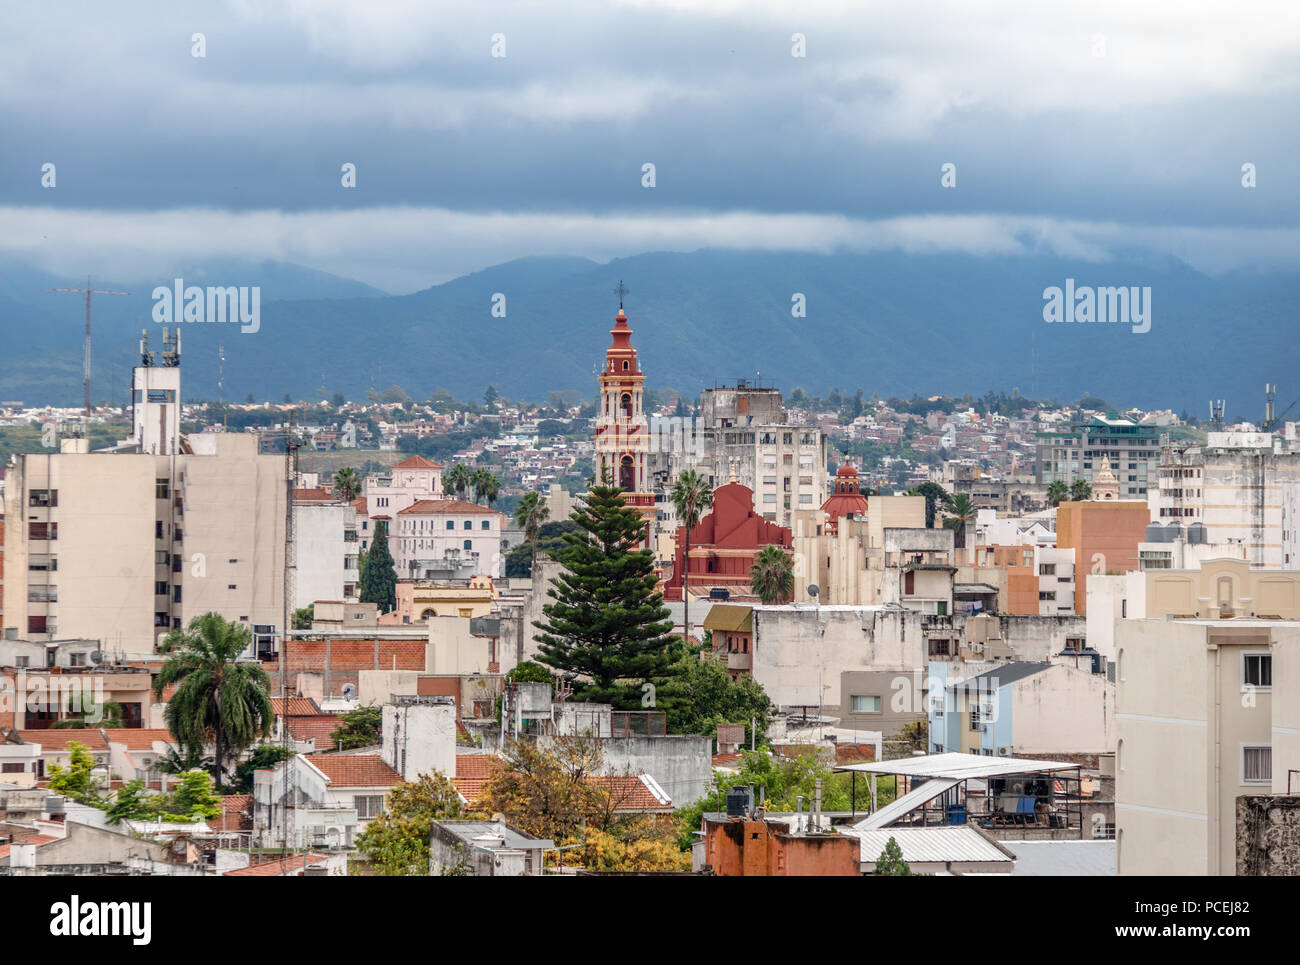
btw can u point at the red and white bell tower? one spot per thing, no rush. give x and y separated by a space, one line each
622 430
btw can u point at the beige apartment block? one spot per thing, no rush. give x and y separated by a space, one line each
122 547
1206 711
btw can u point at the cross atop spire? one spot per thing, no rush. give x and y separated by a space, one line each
620 291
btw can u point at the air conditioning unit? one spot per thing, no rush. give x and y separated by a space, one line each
1004 752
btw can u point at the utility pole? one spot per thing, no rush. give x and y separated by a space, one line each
88 291
290 582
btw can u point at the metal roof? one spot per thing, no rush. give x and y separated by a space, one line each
1063 858
910 801
514 838
931 845
1000 676
958 766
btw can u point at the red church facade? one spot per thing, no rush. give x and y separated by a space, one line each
725 544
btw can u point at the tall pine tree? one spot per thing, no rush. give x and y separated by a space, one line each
608 625
378 577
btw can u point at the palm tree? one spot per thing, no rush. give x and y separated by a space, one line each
1057 492
691 496
482 483
456 480
959 511
1080 490
772 577
218 699
491 489
530 514
347 484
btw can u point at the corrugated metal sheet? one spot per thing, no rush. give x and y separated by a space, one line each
959 766
911 800
954 844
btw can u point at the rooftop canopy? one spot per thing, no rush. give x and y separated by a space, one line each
958 766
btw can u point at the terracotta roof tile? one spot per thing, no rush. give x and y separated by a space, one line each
139 738
446 507
633 794
417 462
298 706
319 495
478 766
356 770
319 728
236 814
60 739
276 866
38 840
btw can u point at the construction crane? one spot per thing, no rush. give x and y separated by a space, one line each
88 291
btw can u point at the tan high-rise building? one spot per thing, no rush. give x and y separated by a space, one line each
122 547
1206 711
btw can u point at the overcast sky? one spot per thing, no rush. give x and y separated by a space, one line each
1118 124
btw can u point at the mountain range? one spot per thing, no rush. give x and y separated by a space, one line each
886 322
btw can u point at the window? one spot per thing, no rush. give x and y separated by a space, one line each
469 524
42 594
1047 595
369 806
940 648
1257 670
160 588
157 529
43 497
1256 764
486 524
451 524
865 705
469 544
161 488
42 530
42 563
22 662
161 557
1046 569
76 660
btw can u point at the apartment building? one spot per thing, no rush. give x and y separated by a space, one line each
435 537
1132 450
1240 488
744 430
327 548
1206 711
124 546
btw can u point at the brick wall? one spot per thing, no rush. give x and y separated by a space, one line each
340 661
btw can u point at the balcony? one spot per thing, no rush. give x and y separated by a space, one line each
739 661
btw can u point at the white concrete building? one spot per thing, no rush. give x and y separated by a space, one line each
434 535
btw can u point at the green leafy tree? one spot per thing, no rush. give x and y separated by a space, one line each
891 861
397 842
691 496
772 576
129 804
607 624
1057 492
1080 490
360 728
303 617
530 514
195 798
218 699
263 756
959 511
76 780
347 484
378 576
935 496
709 697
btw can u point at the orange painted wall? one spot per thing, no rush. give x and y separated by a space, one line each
756 848
1021 597
1111 531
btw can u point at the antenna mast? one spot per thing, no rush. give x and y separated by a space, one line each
88 291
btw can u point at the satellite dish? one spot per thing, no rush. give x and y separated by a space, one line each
349 691
814 590
96 656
